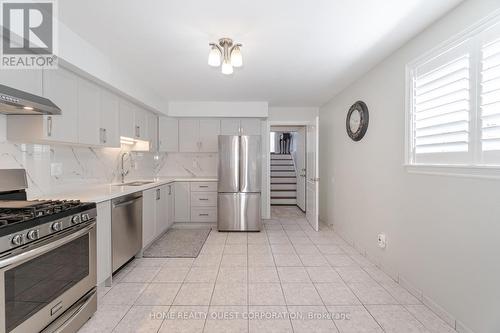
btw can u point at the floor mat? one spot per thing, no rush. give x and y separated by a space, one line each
178 243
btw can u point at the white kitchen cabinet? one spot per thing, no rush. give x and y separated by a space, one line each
209 130
240 126
148 216
152 131
168 134
182 205
140 123
188 135
61 87
110 115
198 135
89 113
170 204
103 240
250 126
230 126
28 80
127 122
161 210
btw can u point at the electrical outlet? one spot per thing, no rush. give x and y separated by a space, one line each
382 242
56 169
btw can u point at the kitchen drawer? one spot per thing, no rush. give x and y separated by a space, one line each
203 199
203 214
203 186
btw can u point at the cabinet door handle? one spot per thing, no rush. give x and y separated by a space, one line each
169 190
137 131
204 214
158 195
49 126
105 135
203 199
203 186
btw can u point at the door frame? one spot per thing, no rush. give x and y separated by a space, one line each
267 159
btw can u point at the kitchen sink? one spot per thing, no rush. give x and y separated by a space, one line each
136 183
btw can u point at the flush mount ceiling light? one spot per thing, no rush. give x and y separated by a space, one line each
226 52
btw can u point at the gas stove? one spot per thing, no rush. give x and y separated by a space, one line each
48 256
23 221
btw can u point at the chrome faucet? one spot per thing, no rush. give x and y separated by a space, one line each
123 172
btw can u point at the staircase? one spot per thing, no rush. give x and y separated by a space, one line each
283 180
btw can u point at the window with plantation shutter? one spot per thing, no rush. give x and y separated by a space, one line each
490 99
453 110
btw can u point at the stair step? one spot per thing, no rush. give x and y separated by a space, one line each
281 157
283 194
282 168
281 162
283 180
289 187
282 201
282 174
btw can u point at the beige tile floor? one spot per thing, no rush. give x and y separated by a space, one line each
287 278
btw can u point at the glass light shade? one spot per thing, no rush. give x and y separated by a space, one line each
214 57
227 68
236 57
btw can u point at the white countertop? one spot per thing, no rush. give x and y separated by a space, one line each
103 192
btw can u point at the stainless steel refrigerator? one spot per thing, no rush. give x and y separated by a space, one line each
239 173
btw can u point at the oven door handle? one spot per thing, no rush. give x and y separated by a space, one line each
44 248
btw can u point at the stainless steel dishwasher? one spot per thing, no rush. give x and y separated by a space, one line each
126 228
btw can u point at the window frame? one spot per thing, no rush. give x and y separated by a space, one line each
473 167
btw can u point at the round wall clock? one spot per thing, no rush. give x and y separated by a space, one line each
357 121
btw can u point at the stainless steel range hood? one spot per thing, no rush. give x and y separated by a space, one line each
13 101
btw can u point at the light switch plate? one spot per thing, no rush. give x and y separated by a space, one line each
56 169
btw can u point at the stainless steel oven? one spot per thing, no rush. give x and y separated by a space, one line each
49 285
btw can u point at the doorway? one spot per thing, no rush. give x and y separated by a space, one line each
293 167
288 166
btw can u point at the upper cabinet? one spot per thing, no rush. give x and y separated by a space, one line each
140 125
127 121
198 135
29 80
168 136
89 113
61 87
240 126
152 131
110 115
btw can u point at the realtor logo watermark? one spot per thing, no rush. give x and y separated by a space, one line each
28 34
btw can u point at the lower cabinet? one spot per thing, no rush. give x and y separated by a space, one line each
156 212
195 202
104 264
182 202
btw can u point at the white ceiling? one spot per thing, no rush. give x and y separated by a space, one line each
295 52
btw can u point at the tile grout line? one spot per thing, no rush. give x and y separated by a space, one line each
279 278
213 289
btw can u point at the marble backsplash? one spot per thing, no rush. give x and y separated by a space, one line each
86 165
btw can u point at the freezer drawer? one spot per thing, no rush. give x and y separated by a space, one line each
239 212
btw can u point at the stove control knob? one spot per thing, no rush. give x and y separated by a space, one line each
76 219
33 234
85 217
56 226
17 239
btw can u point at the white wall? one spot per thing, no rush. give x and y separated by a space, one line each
443 232
292 114
218 109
